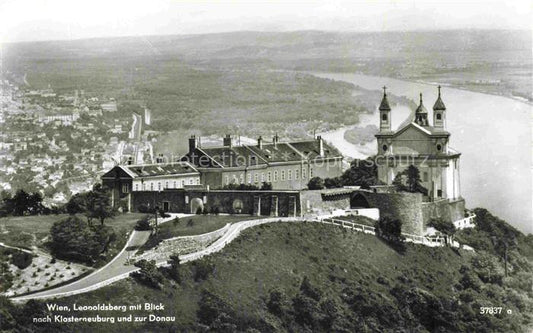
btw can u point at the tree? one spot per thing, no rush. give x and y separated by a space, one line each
316 183
333 182
414 181
99 204
23 203
409 181
148 274
362 173
389 229
266 186
77 204
446 227
174 269
73 238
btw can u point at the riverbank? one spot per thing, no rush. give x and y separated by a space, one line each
492 132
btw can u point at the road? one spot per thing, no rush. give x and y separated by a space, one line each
116 267
112 271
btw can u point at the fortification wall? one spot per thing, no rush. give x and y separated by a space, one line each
268 203
448 211
314 202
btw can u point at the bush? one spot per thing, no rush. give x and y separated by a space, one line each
333 182
21 259
389 229
203 268
199 211
446 227
174 268
73 238
315 183
143 224
145 209
278 303
148 274
176 222
215 210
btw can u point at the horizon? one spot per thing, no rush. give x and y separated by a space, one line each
57 20
265 32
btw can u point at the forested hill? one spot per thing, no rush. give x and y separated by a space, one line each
232 82
310 277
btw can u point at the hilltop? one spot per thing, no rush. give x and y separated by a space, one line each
310 277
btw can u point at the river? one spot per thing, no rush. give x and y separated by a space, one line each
493 133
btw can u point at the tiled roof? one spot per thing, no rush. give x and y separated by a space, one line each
250 155
311 149
151 170
233 156
281 152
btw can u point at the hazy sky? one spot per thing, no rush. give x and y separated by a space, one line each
23 20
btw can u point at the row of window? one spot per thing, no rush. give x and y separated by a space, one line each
270 177
158 186
385 147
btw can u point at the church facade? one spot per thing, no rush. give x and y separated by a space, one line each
421 143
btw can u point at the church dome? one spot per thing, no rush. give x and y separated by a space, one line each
421 108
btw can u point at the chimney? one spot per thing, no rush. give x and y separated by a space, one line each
275 140
193 143
227 141
260 143
320 145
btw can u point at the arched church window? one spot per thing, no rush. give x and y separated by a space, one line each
384 117
439 116
385 147
439 147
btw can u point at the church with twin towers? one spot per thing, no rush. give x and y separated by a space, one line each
421 143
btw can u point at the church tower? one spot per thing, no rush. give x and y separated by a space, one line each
384 113
439 113
421 114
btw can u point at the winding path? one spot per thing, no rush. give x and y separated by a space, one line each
119 268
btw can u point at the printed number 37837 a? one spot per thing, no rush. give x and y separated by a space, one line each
490 310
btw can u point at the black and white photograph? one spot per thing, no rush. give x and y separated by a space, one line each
186 166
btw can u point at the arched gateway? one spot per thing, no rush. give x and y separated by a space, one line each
359 201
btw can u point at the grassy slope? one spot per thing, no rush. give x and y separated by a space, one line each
21 229
280 255
200 224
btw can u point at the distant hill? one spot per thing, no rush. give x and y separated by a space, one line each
231 82
316 278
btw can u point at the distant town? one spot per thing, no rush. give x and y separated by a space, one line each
60 144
